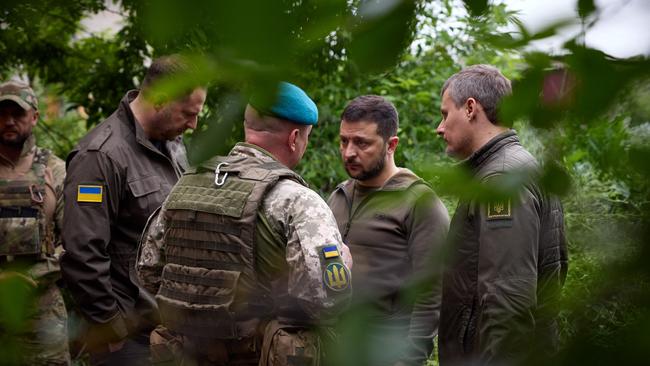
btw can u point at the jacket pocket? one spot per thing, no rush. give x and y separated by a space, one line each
147 195
141 187
196 301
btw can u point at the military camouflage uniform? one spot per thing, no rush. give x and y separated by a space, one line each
293 226
45 340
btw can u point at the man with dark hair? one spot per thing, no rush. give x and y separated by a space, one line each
246 261
395 227
117 176
31 211
508 256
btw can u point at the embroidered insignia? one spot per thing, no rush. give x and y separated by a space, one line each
336 277
88 193
499 209
330 252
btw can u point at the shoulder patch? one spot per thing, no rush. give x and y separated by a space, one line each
336 277
499 209
330 251
90 193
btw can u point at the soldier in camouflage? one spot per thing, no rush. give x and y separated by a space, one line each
245 260
31 211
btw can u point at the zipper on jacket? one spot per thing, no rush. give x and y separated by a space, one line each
351 214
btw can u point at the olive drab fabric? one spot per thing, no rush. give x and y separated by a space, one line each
396 233
210 240
507 264
23 227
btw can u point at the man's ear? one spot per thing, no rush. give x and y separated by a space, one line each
392 144
471 107
35 119
291 140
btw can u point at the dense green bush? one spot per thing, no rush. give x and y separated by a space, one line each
592 137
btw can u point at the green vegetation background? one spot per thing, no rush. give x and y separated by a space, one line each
592 136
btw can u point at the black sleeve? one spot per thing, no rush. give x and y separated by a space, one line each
86 234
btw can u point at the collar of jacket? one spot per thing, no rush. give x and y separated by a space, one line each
474 161
254 151
400 181
28 148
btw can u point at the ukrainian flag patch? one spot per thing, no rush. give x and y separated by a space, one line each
330 251
89 193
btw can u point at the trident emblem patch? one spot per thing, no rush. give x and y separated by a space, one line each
499 210
336 277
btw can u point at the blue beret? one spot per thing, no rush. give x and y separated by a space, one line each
291 103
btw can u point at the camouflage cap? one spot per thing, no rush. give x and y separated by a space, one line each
20 93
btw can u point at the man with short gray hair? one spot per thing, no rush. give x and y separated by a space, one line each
508 258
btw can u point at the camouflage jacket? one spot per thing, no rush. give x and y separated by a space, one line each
52 200
298 218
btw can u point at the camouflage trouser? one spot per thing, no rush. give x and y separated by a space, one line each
289 345
282 346
45 340
170 349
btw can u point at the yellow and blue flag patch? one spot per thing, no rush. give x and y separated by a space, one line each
330 252
90 193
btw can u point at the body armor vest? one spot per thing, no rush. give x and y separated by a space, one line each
209 282
24 229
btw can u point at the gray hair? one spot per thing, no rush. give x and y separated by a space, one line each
484 83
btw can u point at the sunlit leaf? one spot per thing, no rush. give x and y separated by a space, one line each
380 34
476 7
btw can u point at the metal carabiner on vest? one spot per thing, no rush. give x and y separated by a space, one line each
37 196
220 181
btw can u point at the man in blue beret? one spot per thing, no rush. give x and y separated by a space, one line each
247 262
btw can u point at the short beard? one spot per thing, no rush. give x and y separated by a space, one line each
16 143
374 170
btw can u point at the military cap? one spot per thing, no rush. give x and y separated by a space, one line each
291 103
20 93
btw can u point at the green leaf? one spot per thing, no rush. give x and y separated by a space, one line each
380 34
476 7
555 179
586 7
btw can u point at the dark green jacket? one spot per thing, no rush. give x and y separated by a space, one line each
395 235
507 263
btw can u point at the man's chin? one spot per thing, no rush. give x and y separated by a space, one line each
16 142
351 174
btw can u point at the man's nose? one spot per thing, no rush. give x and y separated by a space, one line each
349 151
192 123
7 120
440 130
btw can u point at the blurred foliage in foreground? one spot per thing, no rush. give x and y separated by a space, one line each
584 114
